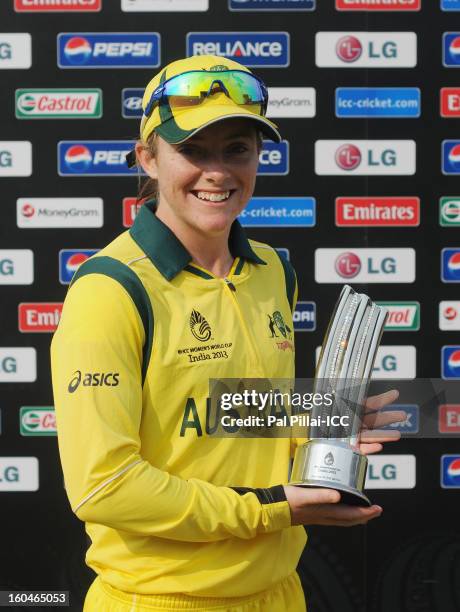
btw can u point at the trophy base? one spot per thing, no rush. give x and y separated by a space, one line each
331 464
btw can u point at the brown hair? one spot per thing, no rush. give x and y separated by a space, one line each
147 188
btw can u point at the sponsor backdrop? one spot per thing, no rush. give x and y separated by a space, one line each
364 189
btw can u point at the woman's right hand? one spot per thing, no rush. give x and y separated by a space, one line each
317 506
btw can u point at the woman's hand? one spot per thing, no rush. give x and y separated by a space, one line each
317 506
371 438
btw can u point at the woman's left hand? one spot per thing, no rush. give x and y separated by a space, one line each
371 439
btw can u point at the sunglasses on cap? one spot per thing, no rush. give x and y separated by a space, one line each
191 88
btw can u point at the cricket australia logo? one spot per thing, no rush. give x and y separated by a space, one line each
199 327
276 322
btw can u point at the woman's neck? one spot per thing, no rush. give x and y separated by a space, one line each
209 252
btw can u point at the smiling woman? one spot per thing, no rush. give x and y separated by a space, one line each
180 519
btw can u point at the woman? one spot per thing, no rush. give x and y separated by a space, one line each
180 519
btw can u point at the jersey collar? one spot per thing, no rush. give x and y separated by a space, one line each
167 252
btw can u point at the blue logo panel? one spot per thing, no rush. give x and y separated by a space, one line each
274 158
284 253
450 265
94 158
107 50
451 157
450 5
131 103
305 316
401 102
411 424
450 362
265 49
451 49
279 212
271 5
70 260
450 471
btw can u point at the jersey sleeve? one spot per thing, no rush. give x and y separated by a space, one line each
96 361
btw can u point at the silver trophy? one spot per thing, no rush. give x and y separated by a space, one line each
331 457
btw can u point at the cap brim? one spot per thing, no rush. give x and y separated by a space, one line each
176 131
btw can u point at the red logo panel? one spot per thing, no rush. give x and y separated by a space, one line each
39 316
450 102
384 212
378 5
57 6
130 210
449 418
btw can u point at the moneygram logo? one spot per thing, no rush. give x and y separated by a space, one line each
57 6
15 51
15 158
449 315
58 103
366 49
450 102
109 50
37 421
377 212
365 157
287 102
264 49
39 316
378 5
365 265
449 211
16 267
94 158
402 316
271 5
59 212
18 364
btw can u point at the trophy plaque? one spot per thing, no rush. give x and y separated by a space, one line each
331 457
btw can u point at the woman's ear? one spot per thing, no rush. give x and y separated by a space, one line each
146 160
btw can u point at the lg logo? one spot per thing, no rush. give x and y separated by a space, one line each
9 365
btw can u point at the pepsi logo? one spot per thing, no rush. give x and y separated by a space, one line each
454 361
347 265
77 158
453 263
453 468
349 49
454 49
348 157
28 210
454 157
77 50
75 261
